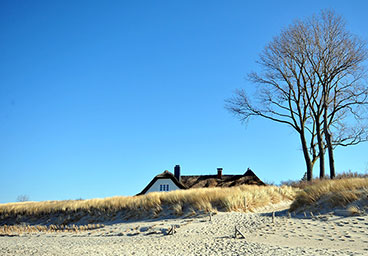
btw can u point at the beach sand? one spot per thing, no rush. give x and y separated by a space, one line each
325 234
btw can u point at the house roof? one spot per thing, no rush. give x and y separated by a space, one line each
164 175
207 181
203 181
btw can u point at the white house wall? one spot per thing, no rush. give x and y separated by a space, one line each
156 186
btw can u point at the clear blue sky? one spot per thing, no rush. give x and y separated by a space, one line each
98 97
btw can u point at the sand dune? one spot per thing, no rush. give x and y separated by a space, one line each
299 235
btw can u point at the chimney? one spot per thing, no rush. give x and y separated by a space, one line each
177 172
219 173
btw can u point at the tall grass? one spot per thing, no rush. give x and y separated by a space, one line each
331 193
152 205
304 183
11 230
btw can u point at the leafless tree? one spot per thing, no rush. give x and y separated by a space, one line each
281 92
22 198
337 58
311 80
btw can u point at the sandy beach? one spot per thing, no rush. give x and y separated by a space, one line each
326 234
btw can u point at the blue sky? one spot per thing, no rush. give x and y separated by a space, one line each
97 97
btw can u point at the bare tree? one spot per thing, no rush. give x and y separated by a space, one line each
281 94
22 198
311 80
337 58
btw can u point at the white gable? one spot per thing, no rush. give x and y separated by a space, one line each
162 182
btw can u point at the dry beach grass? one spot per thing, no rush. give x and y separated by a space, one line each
328 194
152 205
14 230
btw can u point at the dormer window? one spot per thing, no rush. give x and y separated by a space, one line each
164 187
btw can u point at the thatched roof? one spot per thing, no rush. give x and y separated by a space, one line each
207 181
204 181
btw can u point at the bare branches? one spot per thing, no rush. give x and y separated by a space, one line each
341 56
312 79
241 107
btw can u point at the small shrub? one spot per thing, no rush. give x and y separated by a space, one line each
22 198
353 210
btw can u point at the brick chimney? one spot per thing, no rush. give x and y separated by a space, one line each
219 173
177 172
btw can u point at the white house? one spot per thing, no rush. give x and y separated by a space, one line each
165 181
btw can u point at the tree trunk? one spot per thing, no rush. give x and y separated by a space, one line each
328 137
331 159
321 150
307 159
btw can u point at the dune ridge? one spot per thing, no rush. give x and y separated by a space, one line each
153 205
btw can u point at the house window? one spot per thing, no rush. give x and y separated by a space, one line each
164 187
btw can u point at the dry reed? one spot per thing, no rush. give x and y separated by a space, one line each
11 230
156 204
331 193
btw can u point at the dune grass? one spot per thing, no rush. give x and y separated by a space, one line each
15 230
153 205
331 193
245 198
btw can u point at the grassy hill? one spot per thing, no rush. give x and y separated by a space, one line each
153 205
325 195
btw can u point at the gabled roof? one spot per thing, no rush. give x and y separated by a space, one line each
203 181
164 175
